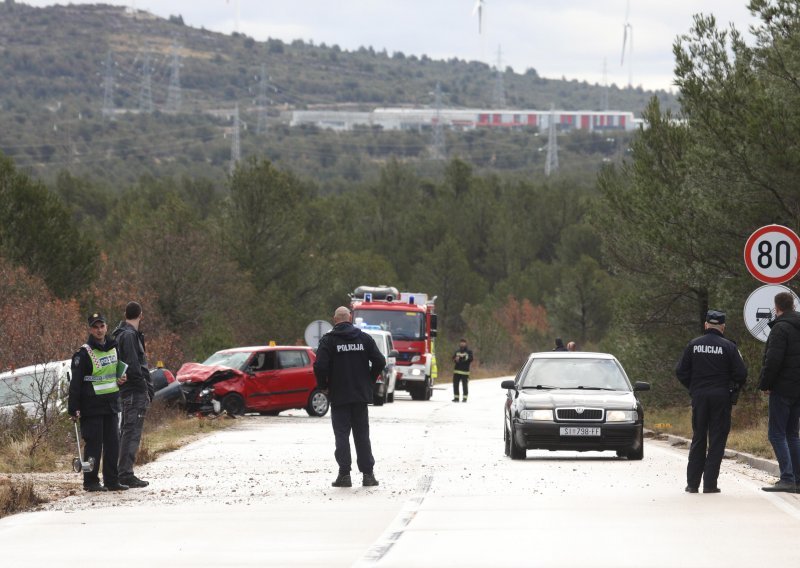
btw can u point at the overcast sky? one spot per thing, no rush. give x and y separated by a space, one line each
570 38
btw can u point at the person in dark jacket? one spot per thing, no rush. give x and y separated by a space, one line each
559 345
348 364
136 393
713 370
780 378
462 359
94 401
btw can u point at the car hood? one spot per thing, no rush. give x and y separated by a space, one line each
574 397
199 373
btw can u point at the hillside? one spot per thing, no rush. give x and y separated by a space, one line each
53 62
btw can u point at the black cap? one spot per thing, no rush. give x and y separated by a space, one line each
715 317
95 317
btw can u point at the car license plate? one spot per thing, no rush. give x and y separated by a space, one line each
579 431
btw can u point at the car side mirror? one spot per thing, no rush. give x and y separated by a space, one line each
641 386
510 384
394 353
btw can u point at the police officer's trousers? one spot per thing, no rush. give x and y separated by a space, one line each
355 417
711 423
101 434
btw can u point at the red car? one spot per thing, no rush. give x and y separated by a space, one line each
254 379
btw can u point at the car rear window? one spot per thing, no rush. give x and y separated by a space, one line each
575 373
292 359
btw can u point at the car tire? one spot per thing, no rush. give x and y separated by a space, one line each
417 392
428 389
636 455
233 404
515 451
318 403
506 441
390 397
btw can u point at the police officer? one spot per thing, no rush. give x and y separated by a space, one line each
462 359
713 370
94 400
347 366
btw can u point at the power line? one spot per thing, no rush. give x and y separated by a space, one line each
174 90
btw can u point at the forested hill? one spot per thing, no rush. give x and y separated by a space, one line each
53 65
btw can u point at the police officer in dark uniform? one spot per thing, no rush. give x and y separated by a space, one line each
347 366
94 400
713 370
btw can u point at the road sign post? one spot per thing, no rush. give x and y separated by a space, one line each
771 254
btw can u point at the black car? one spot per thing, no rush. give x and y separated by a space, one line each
573 401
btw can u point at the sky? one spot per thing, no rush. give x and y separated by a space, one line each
576 39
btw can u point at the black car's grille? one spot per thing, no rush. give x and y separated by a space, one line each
580 414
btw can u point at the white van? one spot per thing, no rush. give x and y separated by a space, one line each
384 341
23 386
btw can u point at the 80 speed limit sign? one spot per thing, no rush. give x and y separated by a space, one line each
771 254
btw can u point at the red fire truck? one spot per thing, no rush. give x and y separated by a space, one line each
411 319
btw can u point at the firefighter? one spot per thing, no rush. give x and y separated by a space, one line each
462 359
713 370
94 401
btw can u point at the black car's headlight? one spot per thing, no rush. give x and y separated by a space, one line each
621 416
539 414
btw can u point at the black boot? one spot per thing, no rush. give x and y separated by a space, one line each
343 481
369 480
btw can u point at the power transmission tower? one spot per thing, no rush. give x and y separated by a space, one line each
499 96
261 102
108 88
174 90
145 92
236 149
551 164
437 146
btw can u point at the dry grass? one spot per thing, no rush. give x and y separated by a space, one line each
16 497
748 428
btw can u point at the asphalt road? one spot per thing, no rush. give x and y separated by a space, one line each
259 494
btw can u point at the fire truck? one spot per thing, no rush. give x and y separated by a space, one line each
411 319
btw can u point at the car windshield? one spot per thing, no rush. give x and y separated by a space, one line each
589 374
408 326
232 359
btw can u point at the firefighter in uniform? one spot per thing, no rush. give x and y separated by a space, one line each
94 401
462 359
713 370
347 365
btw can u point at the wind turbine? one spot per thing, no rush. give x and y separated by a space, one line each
628 31
480 6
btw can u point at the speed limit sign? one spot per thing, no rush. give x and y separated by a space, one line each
771 254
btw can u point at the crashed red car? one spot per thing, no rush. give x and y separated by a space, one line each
254 379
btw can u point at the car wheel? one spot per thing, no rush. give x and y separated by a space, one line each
390 397
506 441
417 392
636 455
318 403
233 404
516 452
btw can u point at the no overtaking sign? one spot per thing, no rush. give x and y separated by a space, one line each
771 254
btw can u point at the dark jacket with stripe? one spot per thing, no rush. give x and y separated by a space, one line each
347 365
780 369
